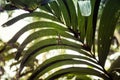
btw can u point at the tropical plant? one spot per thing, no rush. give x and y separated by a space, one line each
71 25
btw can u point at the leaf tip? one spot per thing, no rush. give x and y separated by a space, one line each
4 25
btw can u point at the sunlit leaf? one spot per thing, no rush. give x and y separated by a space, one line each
47 45
40 34
78 70
26 15
59 61
37 25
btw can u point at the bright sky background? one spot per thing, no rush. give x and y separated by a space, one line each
6 33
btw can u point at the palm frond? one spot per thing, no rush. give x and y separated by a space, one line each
107 26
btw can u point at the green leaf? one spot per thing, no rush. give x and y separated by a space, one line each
77 77
25 4
65 59
9 56
56 41
78 70
87 25
40 34
26 15
36 25
55 8
72 13
50 44
81 25
9 7
46 8
108 22
55 65
64 12
91 23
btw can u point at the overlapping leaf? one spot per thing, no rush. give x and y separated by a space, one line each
60 60
26 15
106 29
38 25
76 70
50 44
